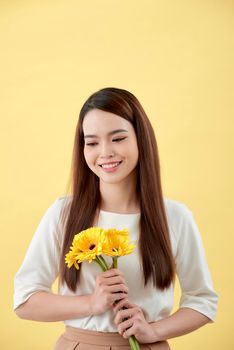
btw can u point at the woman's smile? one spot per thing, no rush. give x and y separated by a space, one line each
110 167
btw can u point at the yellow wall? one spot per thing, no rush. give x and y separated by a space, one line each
177 58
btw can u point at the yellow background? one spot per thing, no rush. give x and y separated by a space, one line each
177 58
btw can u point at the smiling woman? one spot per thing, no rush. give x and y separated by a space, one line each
116 183
112 149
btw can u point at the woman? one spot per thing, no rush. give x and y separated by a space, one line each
116 183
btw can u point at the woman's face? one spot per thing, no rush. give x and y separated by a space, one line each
110 148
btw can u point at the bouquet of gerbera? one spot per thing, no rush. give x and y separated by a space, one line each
90 244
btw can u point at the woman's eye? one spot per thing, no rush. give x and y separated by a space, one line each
91 144
119 139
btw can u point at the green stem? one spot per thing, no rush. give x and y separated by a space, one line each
100 263
103 261
137 346
115 261
133 343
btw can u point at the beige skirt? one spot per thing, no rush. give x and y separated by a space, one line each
82 339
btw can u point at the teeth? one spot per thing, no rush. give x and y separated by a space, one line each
107 166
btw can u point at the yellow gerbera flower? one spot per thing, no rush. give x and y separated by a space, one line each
116 243
71 259
86 245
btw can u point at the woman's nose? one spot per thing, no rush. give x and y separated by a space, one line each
106 151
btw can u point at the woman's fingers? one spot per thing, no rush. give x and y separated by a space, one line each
118 288
123 326
111 278
123 314
122 303
112 273
117 296
110 287
115 280
130 320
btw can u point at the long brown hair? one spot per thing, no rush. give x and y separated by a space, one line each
154 242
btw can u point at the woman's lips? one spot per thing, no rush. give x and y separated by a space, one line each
110 167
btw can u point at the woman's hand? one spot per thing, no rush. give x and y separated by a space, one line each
110 287
131 321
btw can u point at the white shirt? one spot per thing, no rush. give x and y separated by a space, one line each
40 267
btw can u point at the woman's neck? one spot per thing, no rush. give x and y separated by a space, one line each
119 198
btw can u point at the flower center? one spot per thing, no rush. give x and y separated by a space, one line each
115 249
92 246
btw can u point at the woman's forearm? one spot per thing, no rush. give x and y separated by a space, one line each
183 321
49 307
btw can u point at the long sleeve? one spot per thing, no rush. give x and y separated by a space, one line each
192 269
39 268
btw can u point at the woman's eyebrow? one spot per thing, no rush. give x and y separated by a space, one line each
109 133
